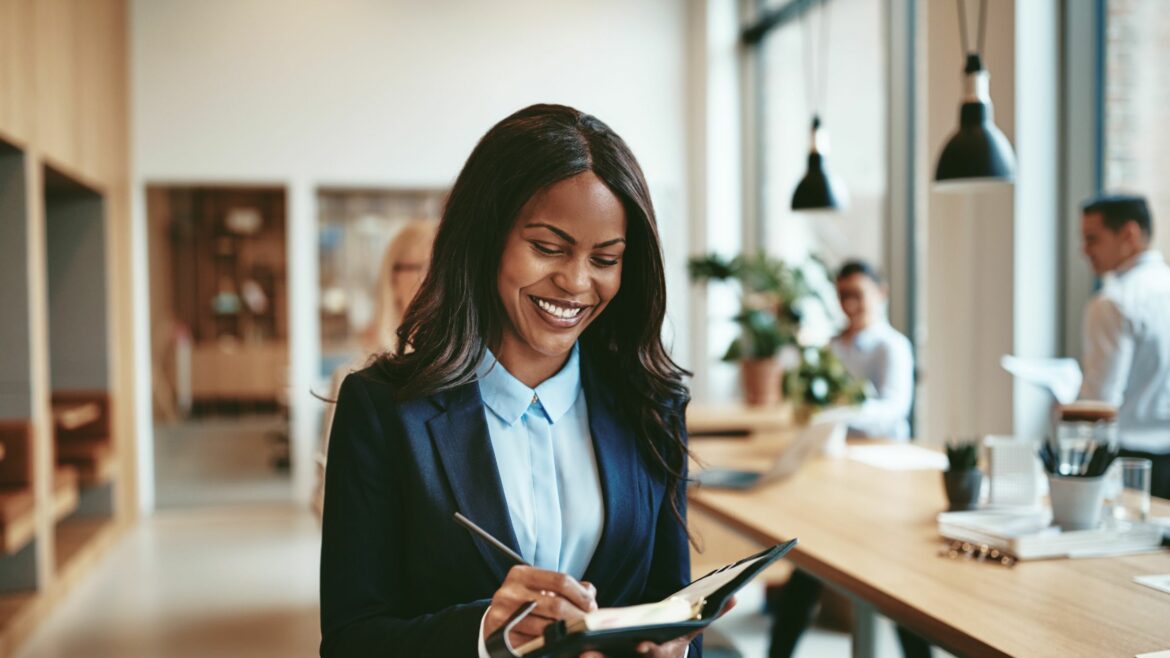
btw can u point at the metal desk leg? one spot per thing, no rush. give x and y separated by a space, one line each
864 630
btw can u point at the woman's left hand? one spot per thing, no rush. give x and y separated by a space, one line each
676 648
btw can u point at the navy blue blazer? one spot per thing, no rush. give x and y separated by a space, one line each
400 578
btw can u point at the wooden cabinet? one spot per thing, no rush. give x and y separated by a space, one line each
64 146
224 371
16 70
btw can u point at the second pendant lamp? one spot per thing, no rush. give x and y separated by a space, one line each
977 153
819 189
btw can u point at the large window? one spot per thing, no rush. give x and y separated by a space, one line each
1136 154
849 88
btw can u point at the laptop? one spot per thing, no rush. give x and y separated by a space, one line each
808 443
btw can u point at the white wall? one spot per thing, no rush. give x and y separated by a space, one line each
391 93
1037 200
716 188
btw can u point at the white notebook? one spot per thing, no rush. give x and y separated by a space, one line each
1029 535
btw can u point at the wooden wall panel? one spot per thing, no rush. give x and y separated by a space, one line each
99 72
56 69
105 146
16 70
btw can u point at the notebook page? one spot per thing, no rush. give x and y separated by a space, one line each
680 606
668 611
709 584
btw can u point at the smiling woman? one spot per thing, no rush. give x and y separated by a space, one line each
530 390
560 268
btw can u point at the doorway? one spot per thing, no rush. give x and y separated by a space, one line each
219 344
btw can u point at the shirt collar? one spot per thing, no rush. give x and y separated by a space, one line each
509 398
868 336
1146 257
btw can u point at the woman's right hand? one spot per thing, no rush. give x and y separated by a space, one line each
558 596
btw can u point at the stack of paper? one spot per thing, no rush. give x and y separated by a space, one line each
1060 377
1028 535
898 457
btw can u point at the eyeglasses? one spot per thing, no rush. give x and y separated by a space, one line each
979 552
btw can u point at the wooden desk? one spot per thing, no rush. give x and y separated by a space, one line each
872 533
726 419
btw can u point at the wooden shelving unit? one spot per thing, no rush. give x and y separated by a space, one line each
220 285
65 285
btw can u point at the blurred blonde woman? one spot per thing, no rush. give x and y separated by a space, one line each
404 266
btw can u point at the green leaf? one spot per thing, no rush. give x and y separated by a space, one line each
772 293
711 266
734 351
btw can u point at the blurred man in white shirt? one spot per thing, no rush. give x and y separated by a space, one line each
1127 328
876 353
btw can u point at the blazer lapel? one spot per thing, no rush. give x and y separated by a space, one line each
622 486
460 436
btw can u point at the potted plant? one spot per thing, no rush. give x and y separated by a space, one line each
769 319
819 381
962 478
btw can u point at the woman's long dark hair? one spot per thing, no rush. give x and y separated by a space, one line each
457 312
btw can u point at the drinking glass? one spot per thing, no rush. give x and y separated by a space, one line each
1131 482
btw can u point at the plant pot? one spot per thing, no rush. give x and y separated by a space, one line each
761 381
963 489
803 415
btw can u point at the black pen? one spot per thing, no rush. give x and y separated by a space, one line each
496 543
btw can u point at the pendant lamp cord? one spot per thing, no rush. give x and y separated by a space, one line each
816 58
963 27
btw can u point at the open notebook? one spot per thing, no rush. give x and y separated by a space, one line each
616 631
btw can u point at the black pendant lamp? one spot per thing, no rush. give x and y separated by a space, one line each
978 153
819 190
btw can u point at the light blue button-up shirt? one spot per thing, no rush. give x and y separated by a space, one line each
881 357
544 451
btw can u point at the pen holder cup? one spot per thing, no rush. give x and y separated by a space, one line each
1076 501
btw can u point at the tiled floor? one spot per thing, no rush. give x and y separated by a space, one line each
219 461
241 581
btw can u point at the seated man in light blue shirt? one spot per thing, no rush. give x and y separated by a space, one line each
875 353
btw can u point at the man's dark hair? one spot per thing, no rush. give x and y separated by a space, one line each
858 267
1117 209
